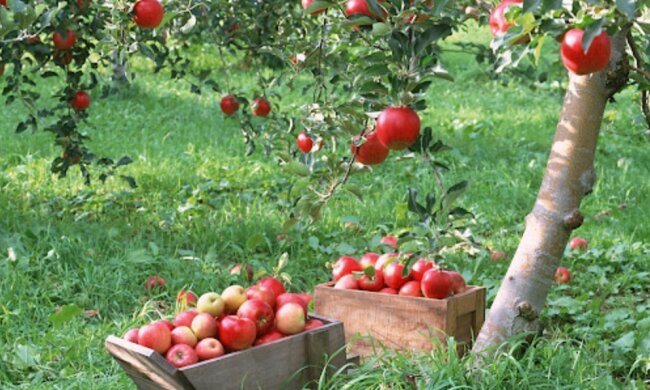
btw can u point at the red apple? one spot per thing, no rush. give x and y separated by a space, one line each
391 241
237 333
204 325
80 101
65 40
411 289
305 297
398 127
183 335
259 312
384 260
290 319
368 260
394 275
388 290
371 283
562 275
307 3
436 284
269 337
578 243
498 255
498 23
154 282
420 267
148 13
274 284
155 336
371 152
261 107
313 323
261 293
304 142
185 318
209 348
347 282
168 324
233 297
360 7
291 297
229 105
131 335
186 298
345 266
181 355
576 60
238 269
458 284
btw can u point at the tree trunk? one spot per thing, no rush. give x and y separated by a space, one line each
569 176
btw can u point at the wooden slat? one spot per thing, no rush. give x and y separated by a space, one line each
147 368
373 320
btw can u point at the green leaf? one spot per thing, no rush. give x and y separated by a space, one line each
318 5
380 29
66 314
625 342
591 32
296 168
355 190
626 7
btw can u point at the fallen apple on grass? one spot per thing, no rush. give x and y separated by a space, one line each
562 275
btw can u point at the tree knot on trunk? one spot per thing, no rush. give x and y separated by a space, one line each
527 312
573 220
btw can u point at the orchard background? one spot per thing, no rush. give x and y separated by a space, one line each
158 181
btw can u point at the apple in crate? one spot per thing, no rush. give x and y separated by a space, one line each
261 293
183 335
181 355
204 325
168 324
259 312
269 337
211 303
155 336
347 282
132 335
457 282
185 318
233 297
313 323
209 348
290 319
237 333
274 284
289 298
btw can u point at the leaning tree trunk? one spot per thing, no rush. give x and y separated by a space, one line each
569 176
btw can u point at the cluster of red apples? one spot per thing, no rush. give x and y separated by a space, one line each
388 274
217 324
574 58
260 106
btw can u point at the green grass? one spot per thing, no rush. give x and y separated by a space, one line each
201 206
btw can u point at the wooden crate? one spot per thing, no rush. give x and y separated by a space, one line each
289 363
373 320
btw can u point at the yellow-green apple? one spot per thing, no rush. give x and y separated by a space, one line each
236 333
131 335
290 319
183 335
211 303
155 336
185 318
209 348
233 297
204 325
182 355
259 312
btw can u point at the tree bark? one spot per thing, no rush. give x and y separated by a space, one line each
569 176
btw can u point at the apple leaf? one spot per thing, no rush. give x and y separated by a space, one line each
65 314
626 7
591 32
